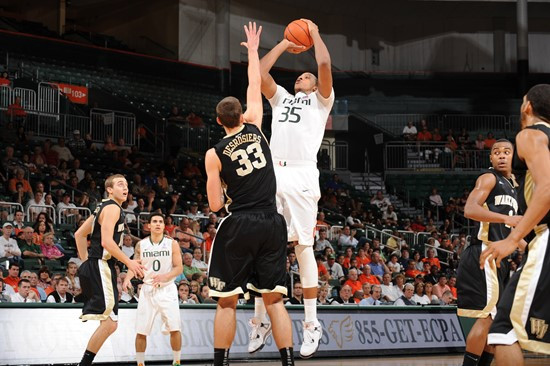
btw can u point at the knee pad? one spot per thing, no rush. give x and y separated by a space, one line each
309 275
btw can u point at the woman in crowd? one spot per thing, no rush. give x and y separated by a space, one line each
72 278
49 249
195 290
419 296
40 229
428 291
323 295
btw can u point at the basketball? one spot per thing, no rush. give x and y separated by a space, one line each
297 32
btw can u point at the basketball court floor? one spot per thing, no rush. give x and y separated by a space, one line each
440 360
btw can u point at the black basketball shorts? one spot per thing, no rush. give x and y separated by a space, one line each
248 254
524 311
478 289
99 286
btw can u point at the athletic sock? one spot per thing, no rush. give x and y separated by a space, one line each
176 356
486 359
221 357
470 359
87 359
310 308
260 310
140 358
287 356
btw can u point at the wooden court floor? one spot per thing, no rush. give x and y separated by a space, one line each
440 360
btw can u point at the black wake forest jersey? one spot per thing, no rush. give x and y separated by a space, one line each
527 185
96 251
503 200
247 172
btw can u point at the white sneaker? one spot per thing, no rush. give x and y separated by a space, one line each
259 333
313 331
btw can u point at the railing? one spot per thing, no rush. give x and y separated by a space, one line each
49 97
69 217
117 124
471 122
395 123
12 207
5 96
432 156
338 155
28 98
34 210
437 250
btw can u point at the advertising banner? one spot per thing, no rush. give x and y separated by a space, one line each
75 93
58 336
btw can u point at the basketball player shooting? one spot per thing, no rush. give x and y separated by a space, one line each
298 127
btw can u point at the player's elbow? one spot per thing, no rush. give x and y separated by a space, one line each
468 211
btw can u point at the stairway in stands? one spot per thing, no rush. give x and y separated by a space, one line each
373 182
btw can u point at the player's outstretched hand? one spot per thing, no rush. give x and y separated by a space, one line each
312 27
127 285
497 250
136 267
513 221
252 36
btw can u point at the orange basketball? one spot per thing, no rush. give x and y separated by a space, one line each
297 32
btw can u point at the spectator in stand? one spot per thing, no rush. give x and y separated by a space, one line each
390 216
406 298
347 238
362 258
175 115
185 296
24 293
4 79
380 201
345 296
67 209
409 132
394 265
61 293
293 262
489 141
193 120
441 286
446 298
334 269
77 145
452 286
431 259
18 222
209 236
321 221
433 275
297 294
377 266
13 276
44 217
19 177
188 268
322 242
353 281
35 211
353 222
51 156
191 171
4 295
49 250
8 246
128 246
419 297
424 135
428 292
322 296
38 158
430 226
197 260
390 293
63 152
375 296
418 225
412 270
20 196
479 144
436 203
17 113
28 248
72 278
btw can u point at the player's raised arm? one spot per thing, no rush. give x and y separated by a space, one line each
108 219
269 87
474 205
213 184
81 238
322 56
254 105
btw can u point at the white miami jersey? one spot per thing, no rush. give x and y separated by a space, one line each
298 124
155 257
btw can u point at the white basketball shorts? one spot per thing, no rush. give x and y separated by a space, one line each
162 301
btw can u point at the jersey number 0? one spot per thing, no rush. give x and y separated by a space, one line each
243 157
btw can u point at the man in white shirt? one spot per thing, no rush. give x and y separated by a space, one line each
38 199
60 295
25 294
389 291
334 269
410 132
63 152
322 242
347 238
18 220
63 209
197 260
127 246
8 246
353 221
380 201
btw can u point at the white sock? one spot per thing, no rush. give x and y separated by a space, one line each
310 308
176 355
260 310
140 358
